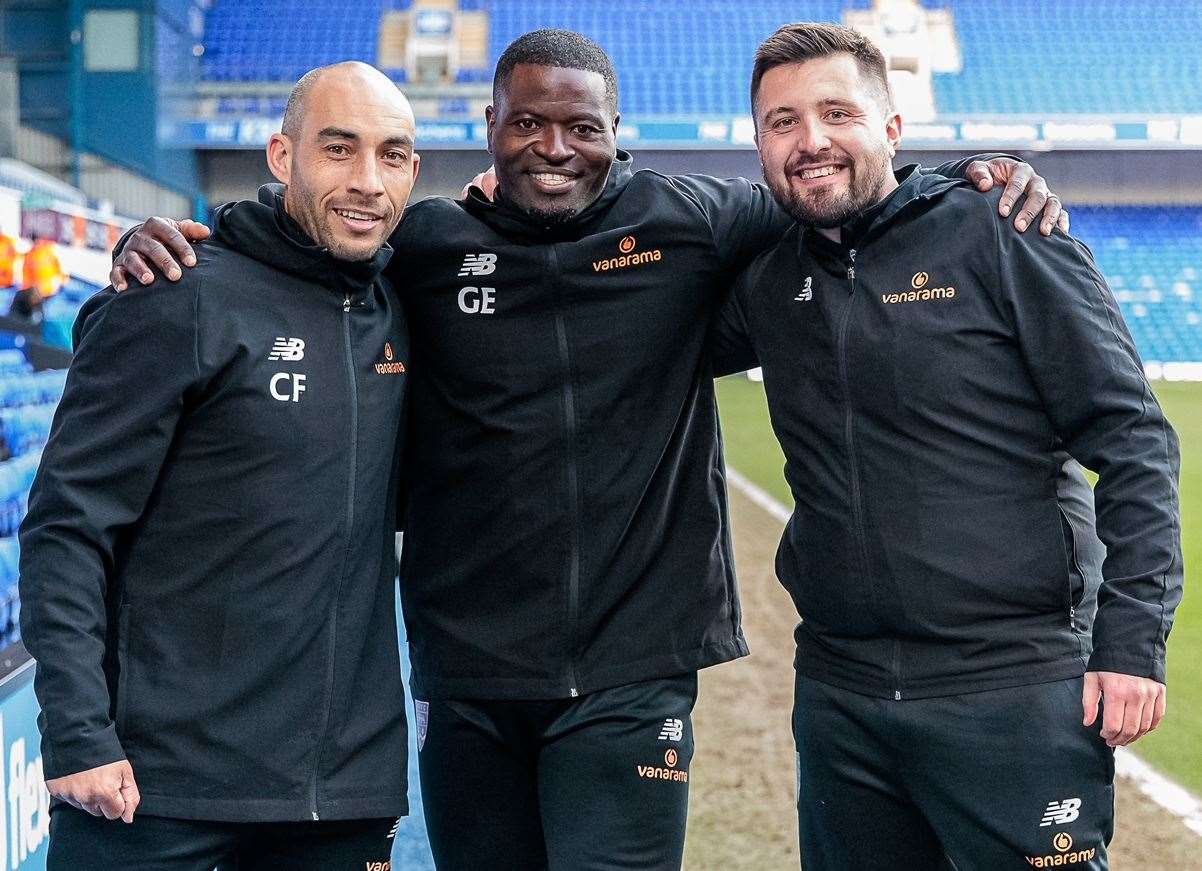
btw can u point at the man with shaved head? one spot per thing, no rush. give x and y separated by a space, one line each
207 563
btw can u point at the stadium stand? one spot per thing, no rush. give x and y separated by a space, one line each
691 57
274 43
1111 58
1152 259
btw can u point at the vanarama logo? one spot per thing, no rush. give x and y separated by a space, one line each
389 366
629 257
1062 843
668 771
920 293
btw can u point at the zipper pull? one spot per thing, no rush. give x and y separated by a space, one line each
851 268
346 303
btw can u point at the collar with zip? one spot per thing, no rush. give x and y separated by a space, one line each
861 228
265 232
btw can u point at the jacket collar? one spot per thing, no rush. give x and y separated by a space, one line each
506 218
264 231
913 189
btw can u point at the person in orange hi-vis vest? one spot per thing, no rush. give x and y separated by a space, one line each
42 269
8 261
43 278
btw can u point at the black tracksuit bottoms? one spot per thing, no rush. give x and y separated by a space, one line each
985 781
82 842
595 783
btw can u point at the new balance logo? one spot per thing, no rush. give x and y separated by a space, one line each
807 291
478 264
673 730
1061 812
290 350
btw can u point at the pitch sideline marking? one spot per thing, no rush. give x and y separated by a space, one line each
1170 796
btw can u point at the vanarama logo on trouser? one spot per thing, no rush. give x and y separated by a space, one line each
629 256
1062 843
668 771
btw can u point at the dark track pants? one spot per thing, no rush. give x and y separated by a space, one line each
995 780
597 783
82 842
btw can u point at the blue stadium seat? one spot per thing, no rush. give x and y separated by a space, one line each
1106 57
26 428
692 57
1152 259
10 600
16 477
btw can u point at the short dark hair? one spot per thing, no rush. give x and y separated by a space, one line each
565 49
807 40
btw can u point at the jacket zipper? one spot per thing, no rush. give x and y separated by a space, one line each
332 645
573 481
857 505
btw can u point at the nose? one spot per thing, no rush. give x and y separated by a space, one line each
552 146
811 137
366 179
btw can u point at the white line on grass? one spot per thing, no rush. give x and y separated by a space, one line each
1173 797
760 497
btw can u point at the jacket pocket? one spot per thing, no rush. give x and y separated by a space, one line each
124 677
1075 585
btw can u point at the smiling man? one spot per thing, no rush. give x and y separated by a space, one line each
207 568
928 389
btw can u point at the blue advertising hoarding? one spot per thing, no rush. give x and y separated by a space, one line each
24 802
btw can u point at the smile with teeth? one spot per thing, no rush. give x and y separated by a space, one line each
819 172
552 179
352 215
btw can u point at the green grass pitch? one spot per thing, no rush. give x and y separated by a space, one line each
1176 748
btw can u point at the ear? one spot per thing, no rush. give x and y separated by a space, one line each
617 120
893 132
279 157
417 165
490 118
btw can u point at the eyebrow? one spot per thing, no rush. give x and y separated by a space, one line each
591 117
336 133
779 110
339 133
824 103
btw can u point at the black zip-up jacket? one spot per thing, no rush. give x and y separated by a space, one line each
567 527
927 379
207 566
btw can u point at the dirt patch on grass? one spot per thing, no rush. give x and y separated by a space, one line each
742 780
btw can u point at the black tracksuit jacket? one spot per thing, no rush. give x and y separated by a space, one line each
566 528
926 380
207 566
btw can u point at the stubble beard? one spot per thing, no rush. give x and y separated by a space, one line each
316 225
828 208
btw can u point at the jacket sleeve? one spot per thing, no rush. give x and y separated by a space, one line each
1092 385
958 168
730 337
743 217
135 361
